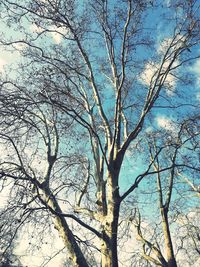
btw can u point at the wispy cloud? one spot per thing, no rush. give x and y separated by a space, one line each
2 64
152 68
56 33
196 70
166 123
35 28
150 72
172 44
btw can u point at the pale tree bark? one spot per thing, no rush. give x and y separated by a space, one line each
172 150
171 261
155 256
166 154
110 224
75 254
164 206
41 188
81 98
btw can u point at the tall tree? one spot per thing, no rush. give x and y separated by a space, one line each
175 149
86 91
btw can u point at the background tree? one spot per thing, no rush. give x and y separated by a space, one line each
176 150
83 97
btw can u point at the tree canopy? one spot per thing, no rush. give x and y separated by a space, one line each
99 130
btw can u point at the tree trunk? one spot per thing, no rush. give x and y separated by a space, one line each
109 244
110 225
167 237
75 254
106 257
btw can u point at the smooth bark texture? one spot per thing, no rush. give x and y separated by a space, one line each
111 220
171 261
75 254
109 244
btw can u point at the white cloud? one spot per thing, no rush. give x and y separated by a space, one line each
151 69
57 33
150 72
35 28
50 246
44 1
56 37
2 64
196 70
171 44
149 129
166 123
196 67
163 45
20 46
167 2
4 193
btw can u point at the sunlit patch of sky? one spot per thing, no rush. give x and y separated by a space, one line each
47 250
166 123
196 70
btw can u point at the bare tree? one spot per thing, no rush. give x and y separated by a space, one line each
177 150
82 102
